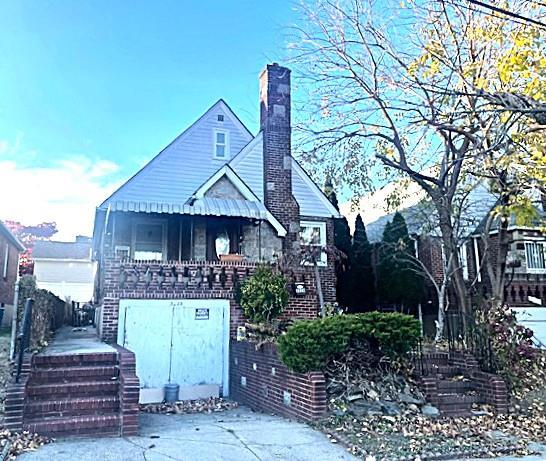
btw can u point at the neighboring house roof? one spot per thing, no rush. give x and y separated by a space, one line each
46 249
421 218
185 169
10 237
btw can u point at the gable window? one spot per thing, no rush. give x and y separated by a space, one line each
535 255
6 260
221 144
313 238
148 241
220 118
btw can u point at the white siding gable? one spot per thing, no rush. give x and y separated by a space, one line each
179 169
249 165
310 198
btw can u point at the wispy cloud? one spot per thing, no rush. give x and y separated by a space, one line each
67 191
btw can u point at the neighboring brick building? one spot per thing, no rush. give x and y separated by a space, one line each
526 271
10 248
174 241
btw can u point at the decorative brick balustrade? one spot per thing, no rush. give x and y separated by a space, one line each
193 280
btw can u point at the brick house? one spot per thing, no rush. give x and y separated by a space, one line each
10 248
175 239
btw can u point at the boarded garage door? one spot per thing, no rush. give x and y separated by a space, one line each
177 341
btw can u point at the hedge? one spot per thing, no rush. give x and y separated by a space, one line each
309 345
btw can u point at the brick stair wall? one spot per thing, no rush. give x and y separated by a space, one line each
260 380
456 397
91 394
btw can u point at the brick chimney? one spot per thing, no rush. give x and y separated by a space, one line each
276 127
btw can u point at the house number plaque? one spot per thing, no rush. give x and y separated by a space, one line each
202 313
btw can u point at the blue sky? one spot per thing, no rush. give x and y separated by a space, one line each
90 90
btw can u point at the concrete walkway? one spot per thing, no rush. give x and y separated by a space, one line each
235 435
69 340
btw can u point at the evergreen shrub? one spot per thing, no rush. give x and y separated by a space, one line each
309 345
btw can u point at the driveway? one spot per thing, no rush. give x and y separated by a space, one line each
237 435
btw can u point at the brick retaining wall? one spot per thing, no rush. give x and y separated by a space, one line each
260 380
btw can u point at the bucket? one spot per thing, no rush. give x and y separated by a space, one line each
171 392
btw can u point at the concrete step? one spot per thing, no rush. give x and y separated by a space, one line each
458 399
71 407
447 386
108 424
74 360
444 370
52 391
71 374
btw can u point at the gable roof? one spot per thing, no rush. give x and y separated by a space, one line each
186 168
178 170
47 249
10 237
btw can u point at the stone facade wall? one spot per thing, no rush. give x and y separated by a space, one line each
261 243
260 380
224 188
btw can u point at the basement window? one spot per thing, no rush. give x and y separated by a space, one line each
221 144
535 255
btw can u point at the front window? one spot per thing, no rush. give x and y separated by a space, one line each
148 242
535 254
313 239
221 144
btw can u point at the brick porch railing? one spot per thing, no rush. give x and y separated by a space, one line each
125 279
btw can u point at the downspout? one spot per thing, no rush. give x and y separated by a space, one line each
419 307
477 259
191 240
260 240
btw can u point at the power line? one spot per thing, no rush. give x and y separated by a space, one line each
478 10
507 13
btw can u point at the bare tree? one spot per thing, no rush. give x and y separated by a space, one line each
417 91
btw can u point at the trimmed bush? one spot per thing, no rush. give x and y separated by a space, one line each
263 296
309 345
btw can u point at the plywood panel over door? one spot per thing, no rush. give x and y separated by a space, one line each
179 341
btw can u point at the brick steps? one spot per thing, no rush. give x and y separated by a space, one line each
72 407
74 360
71 390
455 384
74 425
90 394
71 374
74 395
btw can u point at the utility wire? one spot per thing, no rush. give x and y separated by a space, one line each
507 13
478 10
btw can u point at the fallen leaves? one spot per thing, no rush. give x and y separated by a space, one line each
210 405
408 436
20 442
